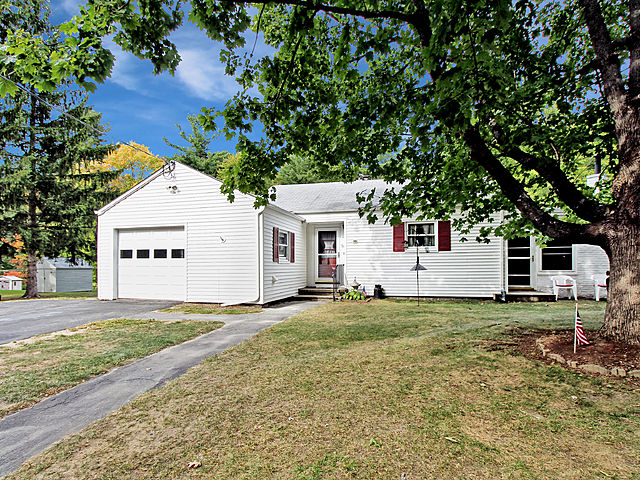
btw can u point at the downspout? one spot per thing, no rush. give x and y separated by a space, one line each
260 255
503 261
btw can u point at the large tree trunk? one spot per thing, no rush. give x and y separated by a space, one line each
622 316
32 277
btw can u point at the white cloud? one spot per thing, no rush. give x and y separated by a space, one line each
70 6
203 75
127 69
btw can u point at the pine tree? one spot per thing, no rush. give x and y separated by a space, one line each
46 196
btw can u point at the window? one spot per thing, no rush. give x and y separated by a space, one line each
126 253
160 253
283 244
421 235
557 256
142 253
177 253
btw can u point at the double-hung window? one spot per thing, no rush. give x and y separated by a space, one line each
283 244
421 234
557 256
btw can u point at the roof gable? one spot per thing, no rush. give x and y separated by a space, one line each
164 170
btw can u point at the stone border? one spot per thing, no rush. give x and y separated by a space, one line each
587 367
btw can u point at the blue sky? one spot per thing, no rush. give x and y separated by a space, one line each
142 107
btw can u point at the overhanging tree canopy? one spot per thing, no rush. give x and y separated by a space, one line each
485 106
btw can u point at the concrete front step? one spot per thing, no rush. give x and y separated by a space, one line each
313 297
526 296
317 291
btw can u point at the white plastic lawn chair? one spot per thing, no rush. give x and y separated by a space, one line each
564 282
599 281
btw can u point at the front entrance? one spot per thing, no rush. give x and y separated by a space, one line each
327 253
519 263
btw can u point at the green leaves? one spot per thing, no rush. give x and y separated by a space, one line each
352 83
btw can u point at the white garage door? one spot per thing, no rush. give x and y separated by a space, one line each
151 263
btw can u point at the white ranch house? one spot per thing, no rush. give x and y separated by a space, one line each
176 237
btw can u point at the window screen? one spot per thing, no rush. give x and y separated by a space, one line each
283 244
557 256
421 235
126 253
160 253
142 253
177 253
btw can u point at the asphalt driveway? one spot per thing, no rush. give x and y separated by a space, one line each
22 319
28 432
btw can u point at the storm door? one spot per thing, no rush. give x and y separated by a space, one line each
519 263
327 253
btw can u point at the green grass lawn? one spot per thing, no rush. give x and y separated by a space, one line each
373 390
212 309
33 369
17 294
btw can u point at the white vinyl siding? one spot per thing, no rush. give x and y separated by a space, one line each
282 280
221 247
587 260
470 269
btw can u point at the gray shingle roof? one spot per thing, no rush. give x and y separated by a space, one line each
62 262
327 197
10 277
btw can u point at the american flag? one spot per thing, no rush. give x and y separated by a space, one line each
579 338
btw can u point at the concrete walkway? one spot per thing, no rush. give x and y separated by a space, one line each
29 432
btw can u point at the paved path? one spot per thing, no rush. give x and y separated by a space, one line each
22 319
29 432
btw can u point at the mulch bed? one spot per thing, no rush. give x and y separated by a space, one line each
601 352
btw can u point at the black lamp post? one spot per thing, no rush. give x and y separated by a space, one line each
417 268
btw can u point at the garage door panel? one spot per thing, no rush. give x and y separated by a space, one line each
162 275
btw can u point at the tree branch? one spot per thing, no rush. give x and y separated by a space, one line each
609 62
319 7
516 193
586 208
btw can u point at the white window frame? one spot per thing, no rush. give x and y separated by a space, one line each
426 235
550 272
287 246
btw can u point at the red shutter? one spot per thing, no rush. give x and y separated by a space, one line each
444 236
292 247
276 253
398 238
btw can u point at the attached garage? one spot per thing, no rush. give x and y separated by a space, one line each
151 263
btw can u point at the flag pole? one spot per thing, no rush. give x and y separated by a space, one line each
575 328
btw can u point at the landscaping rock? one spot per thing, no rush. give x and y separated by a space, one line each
591 368
618 372
557 358
634 373
572 364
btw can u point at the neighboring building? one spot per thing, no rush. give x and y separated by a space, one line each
175 236
63 275
10 282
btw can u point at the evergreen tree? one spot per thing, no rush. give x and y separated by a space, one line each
198 154
46 195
